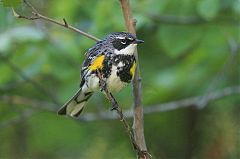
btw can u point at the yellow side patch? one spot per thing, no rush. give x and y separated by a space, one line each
97 63
132 69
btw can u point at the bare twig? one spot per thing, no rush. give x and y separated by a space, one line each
116 107
106 115
33 103
30 6
138 125
169 106
193 101
221 74
11 85
36 15
19 72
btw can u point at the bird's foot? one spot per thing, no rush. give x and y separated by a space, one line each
115 106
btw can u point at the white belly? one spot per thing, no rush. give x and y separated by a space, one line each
113 82
92 83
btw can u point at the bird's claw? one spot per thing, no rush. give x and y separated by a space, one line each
103 87
115 107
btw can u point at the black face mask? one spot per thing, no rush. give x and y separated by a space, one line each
120 44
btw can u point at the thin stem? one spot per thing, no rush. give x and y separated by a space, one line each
138 125
115 106
36 15
37 104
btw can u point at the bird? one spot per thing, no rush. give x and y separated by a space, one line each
114 58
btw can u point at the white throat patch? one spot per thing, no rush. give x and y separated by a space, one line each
129 50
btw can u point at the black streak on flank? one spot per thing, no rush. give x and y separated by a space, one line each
107 66
124 71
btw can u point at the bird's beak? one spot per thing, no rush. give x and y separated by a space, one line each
138 41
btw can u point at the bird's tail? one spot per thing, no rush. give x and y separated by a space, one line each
75 105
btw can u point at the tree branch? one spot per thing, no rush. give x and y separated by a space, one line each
138 125
33 103
116 107
193 101
169 106
221 74
106 115
36 15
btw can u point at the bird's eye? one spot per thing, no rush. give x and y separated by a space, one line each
123 41
131 39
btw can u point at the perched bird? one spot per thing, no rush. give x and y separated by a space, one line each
114 58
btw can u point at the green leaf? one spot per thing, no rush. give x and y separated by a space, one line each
208 9
10 3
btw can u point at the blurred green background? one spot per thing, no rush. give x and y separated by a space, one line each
191 49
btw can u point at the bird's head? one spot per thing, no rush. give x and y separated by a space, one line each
123 43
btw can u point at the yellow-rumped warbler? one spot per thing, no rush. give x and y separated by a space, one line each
114 58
